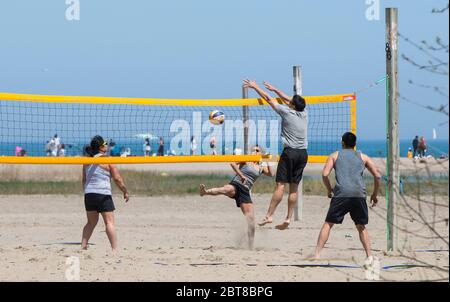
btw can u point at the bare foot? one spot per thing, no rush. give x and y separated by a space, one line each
283 226
202 190
265 221
312 257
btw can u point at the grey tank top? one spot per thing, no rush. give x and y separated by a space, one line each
349 168
98 180
250 173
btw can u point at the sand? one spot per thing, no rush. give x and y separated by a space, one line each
201 239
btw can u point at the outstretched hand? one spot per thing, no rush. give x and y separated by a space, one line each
269 87
250 83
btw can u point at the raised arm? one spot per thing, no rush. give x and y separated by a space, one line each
284 97
119 181
253 85
373 169
326 172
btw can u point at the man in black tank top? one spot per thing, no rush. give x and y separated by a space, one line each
349 194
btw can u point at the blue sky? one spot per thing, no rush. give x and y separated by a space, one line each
204 48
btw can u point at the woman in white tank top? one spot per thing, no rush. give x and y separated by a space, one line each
97 193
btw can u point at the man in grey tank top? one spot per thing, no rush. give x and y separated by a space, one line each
349 193
293 160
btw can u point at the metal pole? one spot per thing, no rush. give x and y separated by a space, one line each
298 89
393 145
245 117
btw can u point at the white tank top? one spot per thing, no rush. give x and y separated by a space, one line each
98 180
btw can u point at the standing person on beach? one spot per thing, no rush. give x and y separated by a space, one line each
349 194
240 188
96 181
212 145
410 153
55 143
147 147
415 145
294 158
161 147
422 147
62 150
193 145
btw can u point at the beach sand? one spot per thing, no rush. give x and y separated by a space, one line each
201 239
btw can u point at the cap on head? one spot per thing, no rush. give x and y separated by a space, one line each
299 103
349 140
96 142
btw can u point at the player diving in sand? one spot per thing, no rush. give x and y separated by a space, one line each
240 188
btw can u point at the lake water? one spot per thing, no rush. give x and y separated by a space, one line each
373 148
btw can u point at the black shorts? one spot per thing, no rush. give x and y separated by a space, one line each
291 165
340 206
98 202
242 194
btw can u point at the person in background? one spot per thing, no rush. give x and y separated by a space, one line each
147 147
62 150
114 150
54 145
212 145
161 147
410 153
237 151
48 151
18 150
108 149
422 148
415 145
124 151
193 145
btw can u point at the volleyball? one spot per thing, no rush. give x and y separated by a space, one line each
216 117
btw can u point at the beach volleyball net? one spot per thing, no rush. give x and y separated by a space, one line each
42 129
